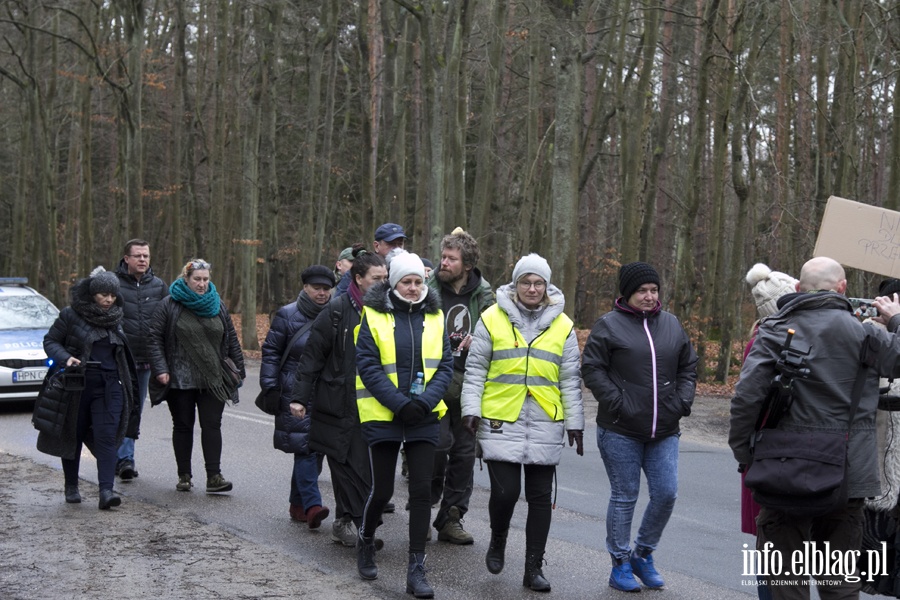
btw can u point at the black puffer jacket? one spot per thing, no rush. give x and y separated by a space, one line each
70 335
162 341
291 433
140 297
618 367
326 378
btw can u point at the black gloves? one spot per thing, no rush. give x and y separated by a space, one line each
413 412
576 436
471 423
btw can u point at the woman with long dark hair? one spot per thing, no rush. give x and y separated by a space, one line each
326 380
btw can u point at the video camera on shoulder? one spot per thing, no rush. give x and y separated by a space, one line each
863 308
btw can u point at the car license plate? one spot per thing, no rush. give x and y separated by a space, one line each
29 376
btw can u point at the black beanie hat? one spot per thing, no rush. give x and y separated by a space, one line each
634 275
889 287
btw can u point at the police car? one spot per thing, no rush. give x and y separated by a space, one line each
25 317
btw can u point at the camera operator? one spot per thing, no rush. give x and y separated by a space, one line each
822 319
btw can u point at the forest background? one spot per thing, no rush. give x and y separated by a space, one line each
702 136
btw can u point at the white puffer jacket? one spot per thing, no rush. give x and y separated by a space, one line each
534 438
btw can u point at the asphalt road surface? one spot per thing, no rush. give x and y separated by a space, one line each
700 555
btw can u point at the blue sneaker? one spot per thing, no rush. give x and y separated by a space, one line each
622 579
644 569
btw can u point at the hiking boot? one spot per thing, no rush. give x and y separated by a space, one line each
622 578
495 559
315 515
534 577
72 495
298 513
452 531
125 470
217 483
108 499
365 558
416 584
642 566
344 532
184 483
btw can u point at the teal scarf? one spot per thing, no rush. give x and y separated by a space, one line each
206 305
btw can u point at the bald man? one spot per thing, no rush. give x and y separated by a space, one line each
822 320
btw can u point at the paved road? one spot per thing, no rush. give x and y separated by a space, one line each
700 555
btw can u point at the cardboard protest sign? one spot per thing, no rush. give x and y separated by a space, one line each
860 236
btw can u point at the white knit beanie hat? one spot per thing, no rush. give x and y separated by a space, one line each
533 263
768 287
404 264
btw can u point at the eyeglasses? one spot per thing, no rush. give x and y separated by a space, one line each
200 265
140 256
538 285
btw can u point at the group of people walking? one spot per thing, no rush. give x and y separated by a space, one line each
385 356
439 367
126 334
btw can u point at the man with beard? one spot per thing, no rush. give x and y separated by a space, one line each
464 295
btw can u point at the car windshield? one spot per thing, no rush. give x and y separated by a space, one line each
26 312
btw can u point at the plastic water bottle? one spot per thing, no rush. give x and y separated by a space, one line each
418 385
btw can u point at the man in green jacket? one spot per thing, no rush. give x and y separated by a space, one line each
464 294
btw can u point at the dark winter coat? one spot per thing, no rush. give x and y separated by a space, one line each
824 323
326 379
140 298
70 335
618 367
162 342
409 319
291 433
462 311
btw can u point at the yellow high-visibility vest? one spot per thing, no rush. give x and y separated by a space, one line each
518 368
382 327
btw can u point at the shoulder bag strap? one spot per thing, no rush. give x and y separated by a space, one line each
287 350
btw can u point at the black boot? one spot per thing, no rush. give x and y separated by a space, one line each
108 499
365 557
416 584
534 578
494 558
72 495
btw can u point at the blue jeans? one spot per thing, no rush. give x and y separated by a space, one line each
305 481
126 448
624 458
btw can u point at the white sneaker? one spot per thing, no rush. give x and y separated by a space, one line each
344 532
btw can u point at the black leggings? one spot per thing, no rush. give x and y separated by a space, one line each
420 461
506 485
182 405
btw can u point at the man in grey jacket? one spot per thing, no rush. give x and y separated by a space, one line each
822 320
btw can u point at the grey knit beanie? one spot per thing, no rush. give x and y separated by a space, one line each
532 263
103 282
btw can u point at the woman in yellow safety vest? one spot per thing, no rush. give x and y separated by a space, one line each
401 337
521 394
